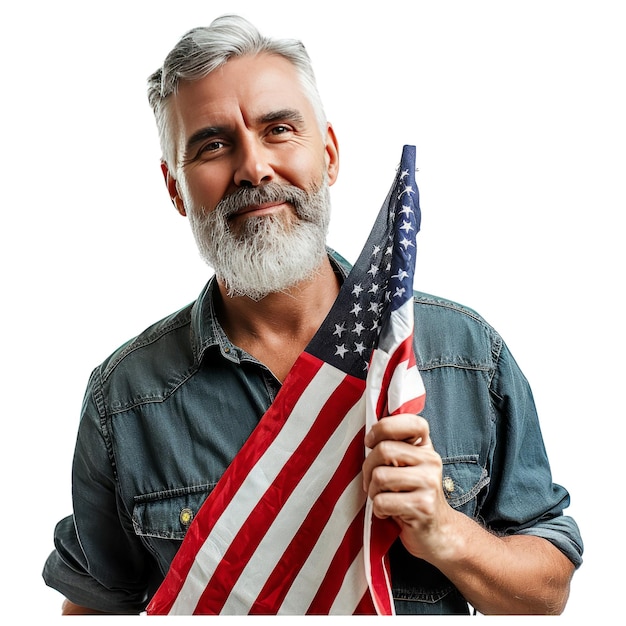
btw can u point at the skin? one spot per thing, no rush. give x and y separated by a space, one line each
496 575
247 124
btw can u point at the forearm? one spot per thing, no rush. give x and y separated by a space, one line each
519 574
69 608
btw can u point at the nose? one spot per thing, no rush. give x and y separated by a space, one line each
253 166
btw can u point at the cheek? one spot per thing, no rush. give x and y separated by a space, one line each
205 189
305 168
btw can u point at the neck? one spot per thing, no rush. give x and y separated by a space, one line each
276 329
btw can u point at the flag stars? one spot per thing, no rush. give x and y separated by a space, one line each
406 210
356 309
373 270
376 250
405 243
356 290
359 348
401 275
341 350
406 226
358 328
339 329
408 190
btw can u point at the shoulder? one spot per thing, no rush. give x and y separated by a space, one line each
449 333
150 366
150 338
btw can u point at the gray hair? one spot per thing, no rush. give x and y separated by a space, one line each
203 50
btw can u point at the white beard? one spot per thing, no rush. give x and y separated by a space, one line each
268 254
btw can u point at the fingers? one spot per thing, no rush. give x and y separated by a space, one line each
401 467
412 429
402 461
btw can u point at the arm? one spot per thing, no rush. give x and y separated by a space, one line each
500 575
69 608
98 561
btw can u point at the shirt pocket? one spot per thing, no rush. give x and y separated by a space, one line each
421 586
168 514
462 479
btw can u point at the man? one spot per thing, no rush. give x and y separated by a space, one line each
249 157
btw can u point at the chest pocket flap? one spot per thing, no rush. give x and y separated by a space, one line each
462 478
167 514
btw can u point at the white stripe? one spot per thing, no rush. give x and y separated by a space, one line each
292 515
353 588
406 384
260 477
373 387
398 328
308 580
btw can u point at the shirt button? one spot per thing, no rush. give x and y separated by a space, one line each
448 484
186 515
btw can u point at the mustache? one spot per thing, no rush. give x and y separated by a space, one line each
270 192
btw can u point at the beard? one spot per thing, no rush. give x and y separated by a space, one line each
264 254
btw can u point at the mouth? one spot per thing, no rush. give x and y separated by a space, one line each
257 210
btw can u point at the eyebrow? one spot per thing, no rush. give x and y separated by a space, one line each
202 135
288 115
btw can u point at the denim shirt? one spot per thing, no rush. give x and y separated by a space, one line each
166 413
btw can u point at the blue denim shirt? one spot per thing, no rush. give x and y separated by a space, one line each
165 414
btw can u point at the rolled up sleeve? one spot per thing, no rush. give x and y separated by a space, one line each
98 561
522 497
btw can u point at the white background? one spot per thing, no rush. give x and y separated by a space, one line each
517 112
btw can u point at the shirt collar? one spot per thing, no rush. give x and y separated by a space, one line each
206 330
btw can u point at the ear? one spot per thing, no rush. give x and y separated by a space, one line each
172 189
332 155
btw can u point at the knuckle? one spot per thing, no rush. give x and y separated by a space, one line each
386 449
379 475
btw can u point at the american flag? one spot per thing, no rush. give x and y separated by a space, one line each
288 529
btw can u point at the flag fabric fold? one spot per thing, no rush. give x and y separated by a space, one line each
288 528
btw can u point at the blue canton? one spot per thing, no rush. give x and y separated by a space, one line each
380 281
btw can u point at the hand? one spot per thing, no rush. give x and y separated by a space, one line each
403 476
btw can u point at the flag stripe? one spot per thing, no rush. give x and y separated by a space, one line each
348 551
185 578
283 525
318 563
312 386
302 545
222 550
353 587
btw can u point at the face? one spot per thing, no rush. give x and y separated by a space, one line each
253 174
246 124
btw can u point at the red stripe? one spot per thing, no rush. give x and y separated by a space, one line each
385 531
275 590
261 518
383 534
300 376
366 605
404 352
346 553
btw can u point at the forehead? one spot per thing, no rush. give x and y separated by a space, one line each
244 88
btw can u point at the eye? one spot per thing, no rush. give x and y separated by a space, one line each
212 146
280 129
